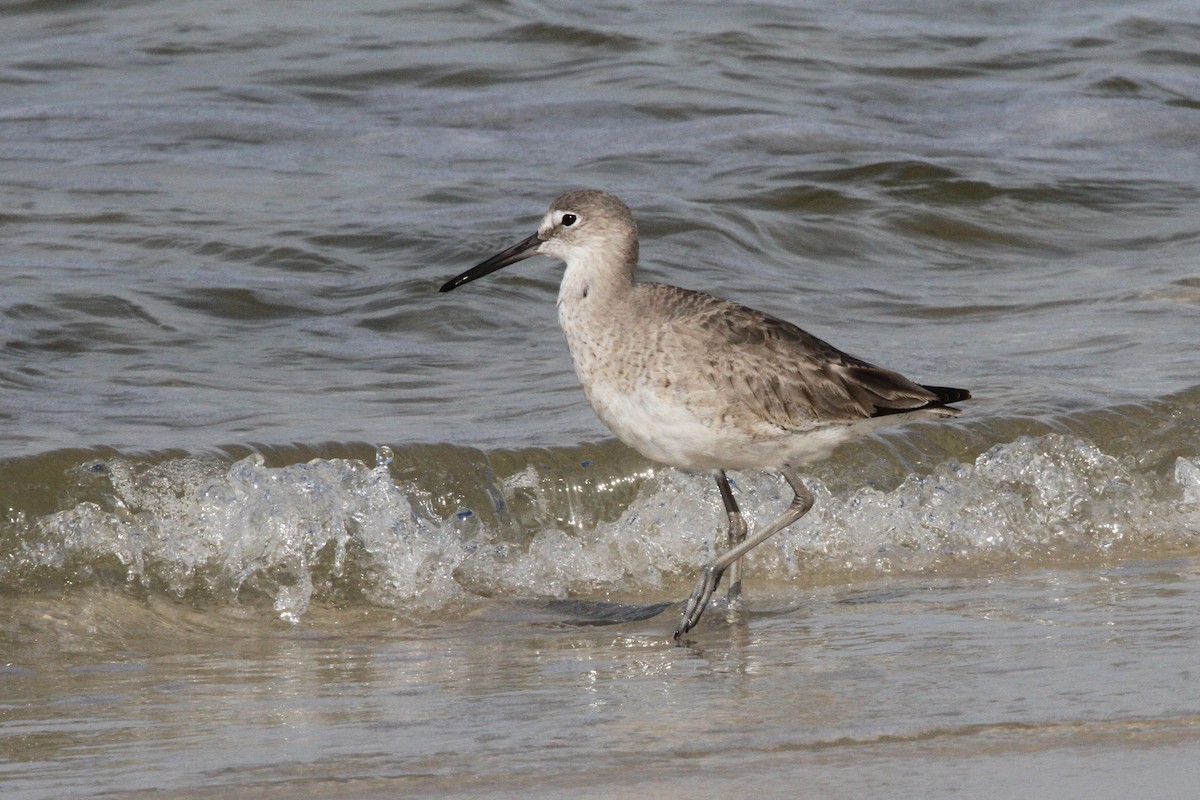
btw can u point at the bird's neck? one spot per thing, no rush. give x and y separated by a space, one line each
598 277
598 311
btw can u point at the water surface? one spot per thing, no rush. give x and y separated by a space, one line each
281 520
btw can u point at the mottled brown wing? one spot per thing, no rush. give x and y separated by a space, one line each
817 383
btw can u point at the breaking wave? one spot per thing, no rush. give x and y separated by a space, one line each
438 529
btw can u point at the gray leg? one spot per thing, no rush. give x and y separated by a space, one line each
710 574
737 532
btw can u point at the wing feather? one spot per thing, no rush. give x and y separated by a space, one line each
761 367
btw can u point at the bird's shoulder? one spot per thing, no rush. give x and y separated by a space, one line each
719 325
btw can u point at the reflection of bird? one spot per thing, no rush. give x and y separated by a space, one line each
698 382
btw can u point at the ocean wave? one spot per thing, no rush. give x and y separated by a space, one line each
438 529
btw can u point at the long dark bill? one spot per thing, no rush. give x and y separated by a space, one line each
518 252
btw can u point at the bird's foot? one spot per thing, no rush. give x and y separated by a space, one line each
706 584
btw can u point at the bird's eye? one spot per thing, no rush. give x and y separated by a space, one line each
568 220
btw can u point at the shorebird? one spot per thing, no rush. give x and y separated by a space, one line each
700 383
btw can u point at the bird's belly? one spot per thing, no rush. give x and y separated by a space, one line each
668 431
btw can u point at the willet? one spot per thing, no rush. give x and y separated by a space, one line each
697 382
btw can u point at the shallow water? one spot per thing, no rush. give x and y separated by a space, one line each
281 520
1021 685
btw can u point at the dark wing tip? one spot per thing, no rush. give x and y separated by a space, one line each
944 396
947 395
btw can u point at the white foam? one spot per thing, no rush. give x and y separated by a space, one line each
340 530
286 532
